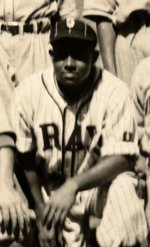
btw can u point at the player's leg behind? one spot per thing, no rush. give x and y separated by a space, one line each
122 220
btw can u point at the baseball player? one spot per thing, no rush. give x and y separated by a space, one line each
24 32
13 205
123 31
24 39
76 136
141 96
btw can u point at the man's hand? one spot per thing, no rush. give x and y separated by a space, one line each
141 165
59 204
14 214
47 238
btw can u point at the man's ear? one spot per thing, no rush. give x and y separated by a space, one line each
95 55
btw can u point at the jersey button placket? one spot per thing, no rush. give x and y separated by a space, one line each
69 128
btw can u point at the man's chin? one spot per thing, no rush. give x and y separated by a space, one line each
69 82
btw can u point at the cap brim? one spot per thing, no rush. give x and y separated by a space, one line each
82 39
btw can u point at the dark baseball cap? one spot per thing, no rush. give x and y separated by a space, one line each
75 29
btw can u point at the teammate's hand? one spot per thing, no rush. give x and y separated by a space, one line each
47 238
59 204
14 213
141 165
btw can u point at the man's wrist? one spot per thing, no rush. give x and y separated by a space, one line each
6 183
73 184
39 209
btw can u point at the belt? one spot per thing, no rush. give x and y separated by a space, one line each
15 29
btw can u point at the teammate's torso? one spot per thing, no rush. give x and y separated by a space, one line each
141 96
24 10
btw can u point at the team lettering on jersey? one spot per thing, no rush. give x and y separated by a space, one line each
51 134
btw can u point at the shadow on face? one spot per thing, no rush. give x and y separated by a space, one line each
76 49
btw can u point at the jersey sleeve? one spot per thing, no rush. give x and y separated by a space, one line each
141 97
125 8
119 136
21 116
68 8
103 8
7 135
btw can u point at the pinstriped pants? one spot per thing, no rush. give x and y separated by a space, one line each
121 212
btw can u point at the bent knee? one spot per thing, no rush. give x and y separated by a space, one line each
11 244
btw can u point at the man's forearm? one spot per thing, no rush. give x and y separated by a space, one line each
7 166
34 184
27 161
105 170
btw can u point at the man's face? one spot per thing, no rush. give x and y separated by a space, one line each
72 62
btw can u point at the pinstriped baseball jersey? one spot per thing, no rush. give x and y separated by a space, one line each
26 10
141 97
71 137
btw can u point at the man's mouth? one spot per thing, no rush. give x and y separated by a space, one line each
69 75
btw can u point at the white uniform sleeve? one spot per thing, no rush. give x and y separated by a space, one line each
103 8
118 135
119 132
87 8
21 116
46 10
141 97
125 8
116 10
68 8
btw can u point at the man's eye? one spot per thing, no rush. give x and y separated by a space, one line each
77 54
60 55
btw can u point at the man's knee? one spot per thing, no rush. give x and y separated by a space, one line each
12 244
123 216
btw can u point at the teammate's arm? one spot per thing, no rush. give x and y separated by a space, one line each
13 209
101 12
106 39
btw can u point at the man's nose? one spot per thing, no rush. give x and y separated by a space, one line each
70 64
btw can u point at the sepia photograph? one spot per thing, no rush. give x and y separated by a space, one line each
75 123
